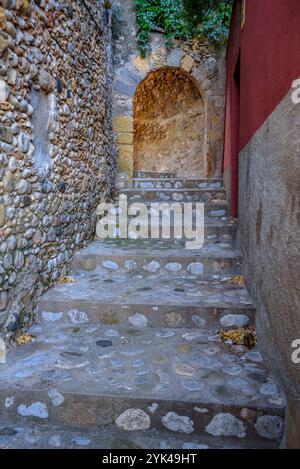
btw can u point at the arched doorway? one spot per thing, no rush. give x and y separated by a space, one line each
169 124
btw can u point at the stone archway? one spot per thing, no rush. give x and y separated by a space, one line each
202 65
169 124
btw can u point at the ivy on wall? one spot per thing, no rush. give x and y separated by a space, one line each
183 19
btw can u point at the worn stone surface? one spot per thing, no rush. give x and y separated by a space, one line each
183 369
55 396
78 317
4 91
226 425
33 436
138 320
270 427
153 256
169 130
140 364
37 409
187 63
2 215
178 423
55 127
2 351
158 289
135 346
176 194
79 415
234 320
81 440
49 316
133 420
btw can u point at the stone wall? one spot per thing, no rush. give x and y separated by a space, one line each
168 124
203 63
269 217
56 159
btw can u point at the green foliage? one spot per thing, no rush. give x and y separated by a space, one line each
216 22
183 19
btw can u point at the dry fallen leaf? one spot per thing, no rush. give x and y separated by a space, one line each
244 336
25 339
6 106
65 279
237 280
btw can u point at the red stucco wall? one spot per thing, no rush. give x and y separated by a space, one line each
269 48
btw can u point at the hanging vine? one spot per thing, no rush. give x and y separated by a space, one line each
183 19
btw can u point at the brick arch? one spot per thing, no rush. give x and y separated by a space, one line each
169 123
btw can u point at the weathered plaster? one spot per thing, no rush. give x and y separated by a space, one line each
269 216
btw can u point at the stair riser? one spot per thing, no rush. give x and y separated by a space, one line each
217 234
152 175
215 227
157 316
211 210
88 411
175 196
114 439
176 184
151 265
212 234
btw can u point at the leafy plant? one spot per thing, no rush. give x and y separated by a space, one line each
183 19
215 23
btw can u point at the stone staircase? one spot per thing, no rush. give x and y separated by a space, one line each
128 355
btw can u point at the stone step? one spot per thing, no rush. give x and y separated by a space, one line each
232 310
217 210
55 437
177 380
118 288
113 297
176 183
153 175
212 235
187 316
175 195
218 232
216 214
150 258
